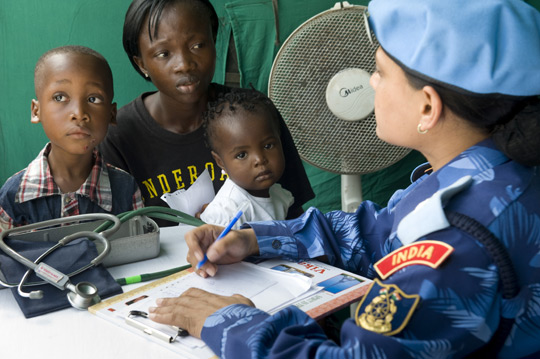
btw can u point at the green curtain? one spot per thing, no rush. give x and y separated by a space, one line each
30 27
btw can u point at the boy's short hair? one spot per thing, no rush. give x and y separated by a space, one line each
68 49
232 101
139 10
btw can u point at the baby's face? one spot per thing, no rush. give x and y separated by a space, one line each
74 102
250 151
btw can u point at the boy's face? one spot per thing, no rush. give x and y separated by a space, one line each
181 60
249 149
74 102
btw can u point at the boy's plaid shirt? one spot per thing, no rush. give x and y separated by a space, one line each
38 182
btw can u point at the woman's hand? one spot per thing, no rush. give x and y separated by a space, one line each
235 246
190 310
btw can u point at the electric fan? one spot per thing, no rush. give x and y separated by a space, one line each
320 83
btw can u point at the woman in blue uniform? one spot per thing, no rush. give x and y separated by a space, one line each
456 255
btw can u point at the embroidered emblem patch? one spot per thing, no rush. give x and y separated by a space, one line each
385 309
429 253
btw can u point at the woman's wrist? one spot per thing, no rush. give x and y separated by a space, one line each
253 243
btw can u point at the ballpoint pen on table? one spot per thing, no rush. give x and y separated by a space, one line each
226 230
148 329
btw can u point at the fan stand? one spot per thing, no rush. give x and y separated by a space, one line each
351 197
351 192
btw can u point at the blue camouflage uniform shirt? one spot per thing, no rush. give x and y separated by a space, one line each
460 301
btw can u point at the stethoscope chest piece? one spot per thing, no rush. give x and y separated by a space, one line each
83 295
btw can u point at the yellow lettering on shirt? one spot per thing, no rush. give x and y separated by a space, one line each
150 188
192 174
210 167
164 183
178 179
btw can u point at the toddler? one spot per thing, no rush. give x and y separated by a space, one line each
242 131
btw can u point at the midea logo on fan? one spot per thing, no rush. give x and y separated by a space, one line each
344 92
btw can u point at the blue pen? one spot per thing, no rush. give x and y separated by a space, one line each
226 230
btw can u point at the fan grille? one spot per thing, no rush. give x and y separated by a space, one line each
327 43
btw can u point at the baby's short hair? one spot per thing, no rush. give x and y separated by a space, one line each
68 49
230 102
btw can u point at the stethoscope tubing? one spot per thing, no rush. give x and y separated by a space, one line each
54 222
106 229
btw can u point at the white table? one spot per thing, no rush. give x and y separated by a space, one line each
75 334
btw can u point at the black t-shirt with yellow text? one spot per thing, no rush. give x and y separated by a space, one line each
162 161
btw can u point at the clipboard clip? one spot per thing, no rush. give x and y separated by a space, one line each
132 321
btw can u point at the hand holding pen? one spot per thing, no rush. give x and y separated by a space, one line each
227 229
232 247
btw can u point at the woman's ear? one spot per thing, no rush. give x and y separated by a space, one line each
431 108
34 111
140 64
218 160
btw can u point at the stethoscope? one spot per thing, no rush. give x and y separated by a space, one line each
81 295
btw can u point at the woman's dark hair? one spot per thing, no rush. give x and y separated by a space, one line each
513 122
141 10
229 103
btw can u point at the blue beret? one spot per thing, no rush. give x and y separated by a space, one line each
481 46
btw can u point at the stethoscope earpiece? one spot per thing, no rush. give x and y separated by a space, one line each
35 294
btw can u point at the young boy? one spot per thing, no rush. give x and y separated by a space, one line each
74 93
242 131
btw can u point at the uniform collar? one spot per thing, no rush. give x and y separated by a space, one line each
476 159
421 210
477 162
38 182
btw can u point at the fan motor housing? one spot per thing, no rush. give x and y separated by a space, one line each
349 95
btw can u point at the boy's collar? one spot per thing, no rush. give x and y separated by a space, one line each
38 181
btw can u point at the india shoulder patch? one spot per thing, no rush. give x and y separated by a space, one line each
429 253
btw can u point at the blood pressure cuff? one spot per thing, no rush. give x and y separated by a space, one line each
66 259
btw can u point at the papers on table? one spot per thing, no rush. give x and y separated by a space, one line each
268 289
